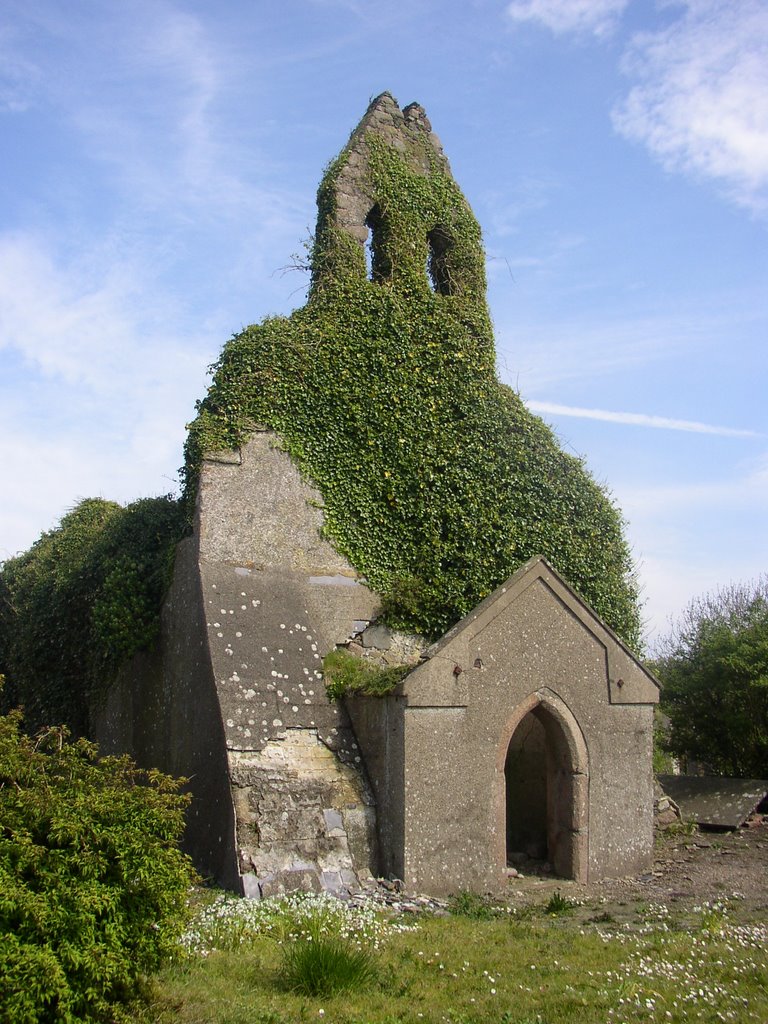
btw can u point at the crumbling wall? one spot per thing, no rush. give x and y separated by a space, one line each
277 598
233 696
437 481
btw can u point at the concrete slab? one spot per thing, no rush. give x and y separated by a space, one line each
714 799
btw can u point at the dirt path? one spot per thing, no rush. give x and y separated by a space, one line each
688 870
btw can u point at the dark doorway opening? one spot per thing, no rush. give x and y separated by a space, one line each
545 798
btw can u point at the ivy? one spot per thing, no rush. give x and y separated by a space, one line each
437 482
85 597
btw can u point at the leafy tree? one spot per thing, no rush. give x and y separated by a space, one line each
714 667
92 883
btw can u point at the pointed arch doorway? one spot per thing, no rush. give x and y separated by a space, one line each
546 783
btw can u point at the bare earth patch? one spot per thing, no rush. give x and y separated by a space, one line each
688 870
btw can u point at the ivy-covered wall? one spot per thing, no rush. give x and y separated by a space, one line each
437 481
83 599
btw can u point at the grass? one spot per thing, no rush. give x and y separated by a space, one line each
700 967
474 905
326 965
346 674
557 905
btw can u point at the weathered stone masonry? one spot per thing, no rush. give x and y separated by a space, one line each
526 730
264 598
281 779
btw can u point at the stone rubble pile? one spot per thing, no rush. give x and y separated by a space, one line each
386 893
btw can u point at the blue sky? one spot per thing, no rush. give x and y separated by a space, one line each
160 162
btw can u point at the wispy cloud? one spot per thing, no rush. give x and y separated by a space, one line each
586 17
747 488
68 322
179 50
19 76
638 419
99 376
695 536
506 209
536 357
161 120
155 120
701 99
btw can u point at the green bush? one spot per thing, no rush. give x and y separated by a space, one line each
714 670
92 884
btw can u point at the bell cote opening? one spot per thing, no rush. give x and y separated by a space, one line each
378 264
440 242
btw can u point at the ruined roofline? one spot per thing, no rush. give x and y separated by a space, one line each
407 131
385 119
371 195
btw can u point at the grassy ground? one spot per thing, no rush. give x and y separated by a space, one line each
545 965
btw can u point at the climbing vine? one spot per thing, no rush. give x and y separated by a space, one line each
437 481
85 597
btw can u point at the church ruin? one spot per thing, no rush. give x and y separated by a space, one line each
526 730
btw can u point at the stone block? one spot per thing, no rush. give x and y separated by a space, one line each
334 823
292 880
377 636
251 887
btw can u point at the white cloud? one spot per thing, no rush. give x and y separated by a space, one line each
701 99
505 210
161 119
596 17
669 583
154 121
47 472
637 419
747 491
96 321
18 77
98 380
68 322
536 358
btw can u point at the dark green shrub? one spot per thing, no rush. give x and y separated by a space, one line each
92 884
